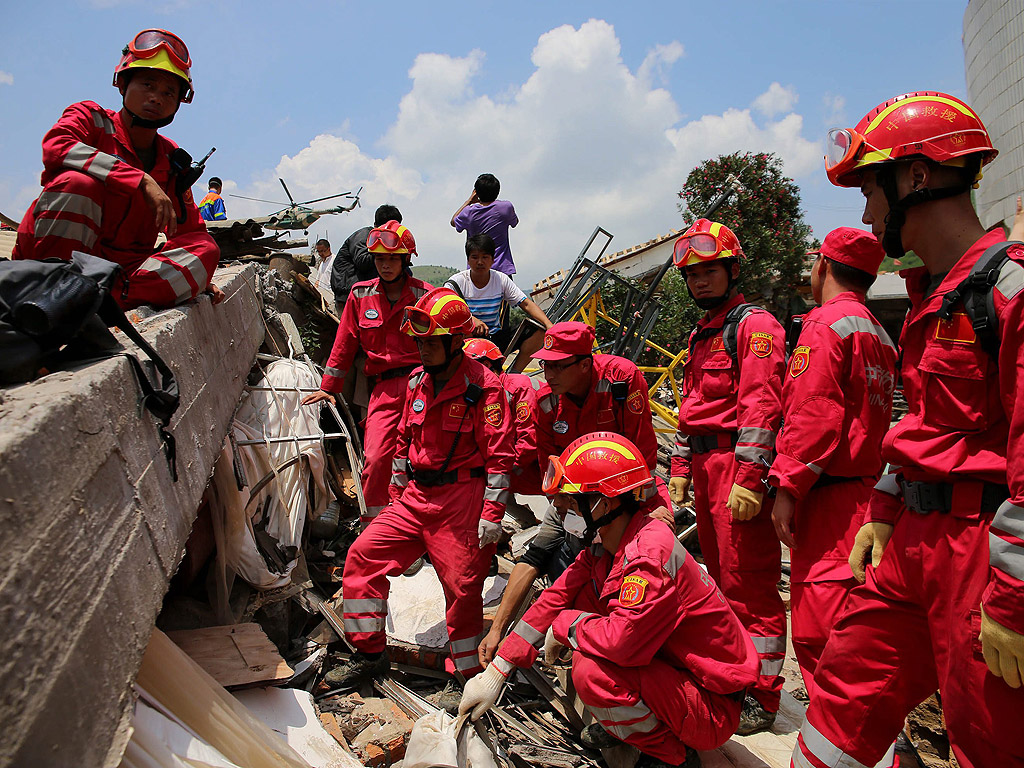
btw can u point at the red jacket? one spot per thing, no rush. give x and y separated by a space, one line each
837 397
521 391
964 422
648 600
560 420
720 395
430 424
94 141
370 323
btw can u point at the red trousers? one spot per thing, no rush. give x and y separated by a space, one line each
659 709
745 559
441 521
912 628
387 401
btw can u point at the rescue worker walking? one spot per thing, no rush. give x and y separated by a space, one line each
110 184
658 656
730 411
372 322
836 406
448 493
942 604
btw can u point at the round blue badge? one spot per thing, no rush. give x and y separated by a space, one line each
560 427
371 314
417 405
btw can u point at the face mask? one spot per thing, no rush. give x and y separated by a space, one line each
575 525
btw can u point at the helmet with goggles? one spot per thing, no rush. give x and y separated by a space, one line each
391 237
599 462
705 241
925 124
439 312
157 49
483 349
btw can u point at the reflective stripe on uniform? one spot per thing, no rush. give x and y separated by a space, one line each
1007 557
466 663
363 291
1010 518
851 324
364 624
100 120
681 449
627 720
752 454
533 636
190 262
675 560
814 468
824 750
363 605
79 156
504 665
372 512
1011 279
101 166
335 372
572 630
548 403
69 202
603 385
169 274
70 230
771 667
769 644
497 480
756 435
465 645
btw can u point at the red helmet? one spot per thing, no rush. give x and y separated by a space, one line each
391 238
483 349
157 49
600 462
919 124
705 240
439 312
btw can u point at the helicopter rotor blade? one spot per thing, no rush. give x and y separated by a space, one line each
290 198
329 197
258 200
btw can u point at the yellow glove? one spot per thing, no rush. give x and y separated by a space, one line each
744 503
1003 649
871 539
678 487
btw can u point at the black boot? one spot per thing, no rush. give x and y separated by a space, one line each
357 669
594 736
754 717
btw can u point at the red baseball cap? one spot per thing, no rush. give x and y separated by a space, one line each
565 340
854 248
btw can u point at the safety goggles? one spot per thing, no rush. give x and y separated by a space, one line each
704 246
553 477
418 322
843 148
387 239
149 41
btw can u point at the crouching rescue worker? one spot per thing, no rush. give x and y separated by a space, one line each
372 321
730 411
109 184
658 656
448 493
943 602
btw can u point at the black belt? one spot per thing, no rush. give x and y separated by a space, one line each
824 480
707 443
394 373
429 478
924 497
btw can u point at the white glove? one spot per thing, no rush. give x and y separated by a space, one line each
552 648
488 532
481 692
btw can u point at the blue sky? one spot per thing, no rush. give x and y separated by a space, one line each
589 113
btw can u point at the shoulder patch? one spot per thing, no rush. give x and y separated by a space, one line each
493 414
762 344
635 402
632 590
800 360
523 411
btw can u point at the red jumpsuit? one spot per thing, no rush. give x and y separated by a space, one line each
837 404
660 658
91 203
371 324
727 403
914 626
439 519
521 391
606 408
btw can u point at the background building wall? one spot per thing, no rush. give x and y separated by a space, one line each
994 60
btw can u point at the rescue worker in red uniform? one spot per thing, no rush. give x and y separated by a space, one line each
109 184
943 602
448 493
836 407
372 322
659 658
728 417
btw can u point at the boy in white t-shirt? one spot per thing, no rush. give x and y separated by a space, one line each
490 294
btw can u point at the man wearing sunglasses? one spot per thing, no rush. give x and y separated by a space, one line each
659 658
110 184
728 418
943 601
371 324
448 492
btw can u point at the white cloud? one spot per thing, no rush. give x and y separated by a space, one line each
6 78
835 109
583 142
776 100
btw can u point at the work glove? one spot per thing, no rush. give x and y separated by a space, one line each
552 648
1003 649
488 532
678 487
872 538
744 503
481 692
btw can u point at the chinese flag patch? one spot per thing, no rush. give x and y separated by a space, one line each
957 329
800 360
456 410
718 344
523 411
635 402
632 590
761 344
492 414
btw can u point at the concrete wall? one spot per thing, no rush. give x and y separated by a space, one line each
994 58
93 527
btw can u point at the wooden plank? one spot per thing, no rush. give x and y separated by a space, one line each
236 656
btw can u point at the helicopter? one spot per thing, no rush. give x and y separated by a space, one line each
297 215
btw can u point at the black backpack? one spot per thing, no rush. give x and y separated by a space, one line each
55 313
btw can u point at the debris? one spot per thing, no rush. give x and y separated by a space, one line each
236 656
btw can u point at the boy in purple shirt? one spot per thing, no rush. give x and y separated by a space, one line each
483 213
